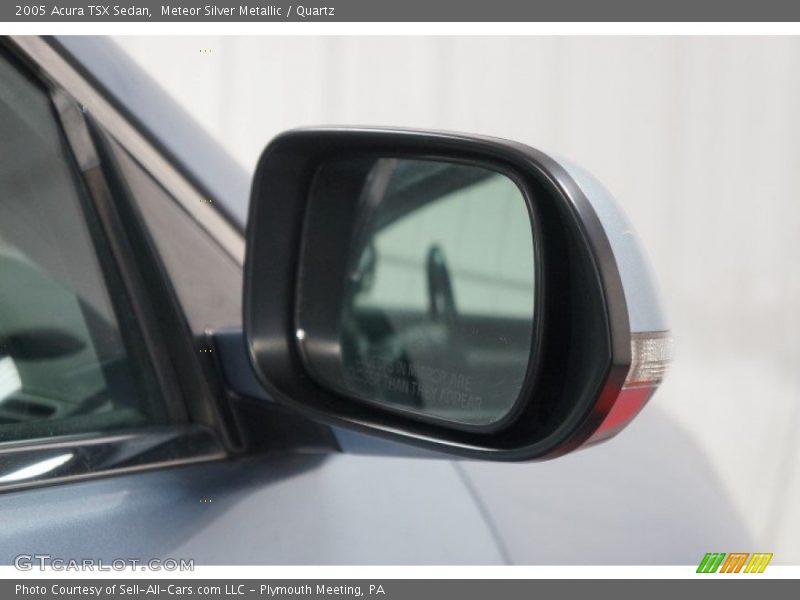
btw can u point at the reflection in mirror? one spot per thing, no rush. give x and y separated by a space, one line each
437 317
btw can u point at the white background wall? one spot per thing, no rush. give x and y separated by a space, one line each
699 138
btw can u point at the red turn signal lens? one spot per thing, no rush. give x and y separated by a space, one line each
651 354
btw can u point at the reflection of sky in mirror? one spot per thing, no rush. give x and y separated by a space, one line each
484 232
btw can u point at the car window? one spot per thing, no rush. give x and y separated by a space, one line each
65 364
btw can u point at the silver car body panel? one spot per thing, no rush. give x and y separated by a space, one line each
645 310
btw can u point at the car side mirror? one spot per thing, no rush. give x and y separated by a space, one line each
467 294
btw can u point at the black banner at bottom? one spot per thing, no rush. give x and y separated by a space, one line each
394 589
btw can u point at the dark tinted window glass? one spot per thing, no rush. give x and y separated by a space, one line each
65 366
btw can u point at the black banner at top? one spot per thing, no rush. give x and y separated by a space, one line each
400 11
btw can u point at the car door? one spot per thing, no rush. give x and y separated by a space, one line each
118 439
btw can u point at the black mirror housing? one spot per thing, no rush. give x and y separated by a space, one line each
298 248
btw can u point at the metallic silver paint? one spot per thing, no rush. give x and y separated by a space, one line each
645 311
283 510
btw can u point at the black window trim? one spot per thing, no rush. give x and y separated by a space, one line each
204 396
51 58
180 371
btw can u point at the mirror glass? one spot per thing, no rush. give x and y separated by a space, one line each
438 299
